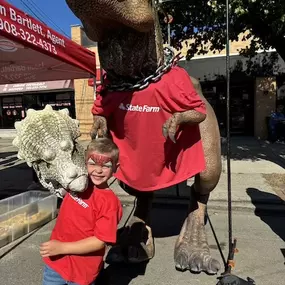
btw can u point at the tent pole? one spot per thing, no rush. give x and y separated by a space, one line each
228 129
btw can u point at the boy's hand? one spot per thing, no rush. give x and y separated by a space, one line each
52 248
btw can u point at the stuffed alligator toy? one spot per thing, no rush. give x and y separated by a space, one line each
46 140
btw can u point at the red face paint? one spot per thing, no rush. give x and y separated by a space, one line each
100 159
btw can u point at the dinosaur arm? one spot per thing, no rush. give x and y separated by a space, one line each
102 109
186 105
191 117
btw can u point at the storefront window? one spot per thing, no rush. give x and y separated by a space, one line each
59 101
14 108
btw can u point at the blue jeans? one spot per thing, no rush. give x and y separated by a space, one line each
53 278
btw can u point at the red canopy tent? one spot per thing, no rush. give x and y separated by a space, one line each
32 52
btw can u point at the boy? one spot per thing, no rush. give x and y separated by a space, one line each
86 223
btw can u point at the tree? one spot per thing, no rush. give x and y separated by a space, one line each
203 23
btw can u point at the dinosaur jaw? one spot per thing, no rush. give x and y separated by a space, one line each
128 55
99 16
128 35
78 185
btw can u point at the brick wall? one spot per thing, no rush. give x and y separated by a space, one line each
84 94
235 47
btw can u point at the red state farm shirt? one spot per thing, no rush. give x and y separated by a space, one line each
95 212
147 160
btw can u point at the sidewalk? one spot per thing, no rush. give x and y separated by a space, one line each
251 164
7 133
260 240
258 222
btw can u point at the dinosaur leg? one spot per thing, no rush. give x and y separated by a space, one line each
135 242
191 249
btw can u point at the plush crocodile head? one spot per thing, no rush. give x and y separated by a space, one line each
128 35
47 141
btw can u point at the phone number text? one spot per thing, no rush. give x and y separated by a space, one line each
26 36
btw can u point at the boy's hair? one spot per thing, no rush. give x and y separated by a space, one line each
103 146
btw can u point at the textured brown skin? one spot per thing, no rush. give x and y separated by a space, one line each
129 43
129 38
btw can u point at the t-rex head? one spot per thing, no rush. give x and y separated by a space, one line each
128 35
46 140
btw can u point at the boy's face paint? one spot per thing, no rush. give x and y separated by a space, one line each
100 168
100 159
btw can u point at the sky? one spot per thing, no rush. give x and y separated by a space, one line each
55 13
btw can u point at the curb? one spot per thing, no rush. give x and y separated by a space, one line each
262 206
8 134
258 207
7 137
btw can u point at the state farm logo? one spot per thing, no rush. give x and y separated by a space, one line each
138 108
7 46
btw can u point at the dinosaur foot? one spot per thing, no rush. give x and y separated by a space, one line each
192 250
135 244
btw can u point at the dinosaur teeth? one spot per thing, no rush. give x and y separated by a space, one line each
29 164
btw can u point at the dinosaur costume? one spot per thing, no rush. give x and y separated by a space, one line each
131 52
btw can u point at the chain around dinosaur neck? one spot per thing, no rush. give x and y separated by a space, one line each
171 60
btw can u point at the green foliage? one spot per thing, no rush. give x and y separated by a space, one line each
264 65
204 22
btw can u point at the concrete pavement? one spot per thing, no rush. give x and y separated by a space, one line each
258 221
260 243
251 159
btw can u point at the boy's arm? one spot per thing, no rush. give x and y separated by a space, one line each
84 246
109 215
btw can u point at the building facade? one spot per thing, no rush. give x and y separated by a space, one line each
16 99
84 88
252 99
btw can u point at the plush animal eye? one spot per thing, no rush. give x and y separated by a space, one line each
49 155
64 145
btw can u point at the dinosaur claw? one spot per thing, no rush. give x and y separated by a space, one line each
165 131
172 137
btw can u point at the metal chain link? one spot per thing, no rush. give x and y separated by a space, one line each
171 61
